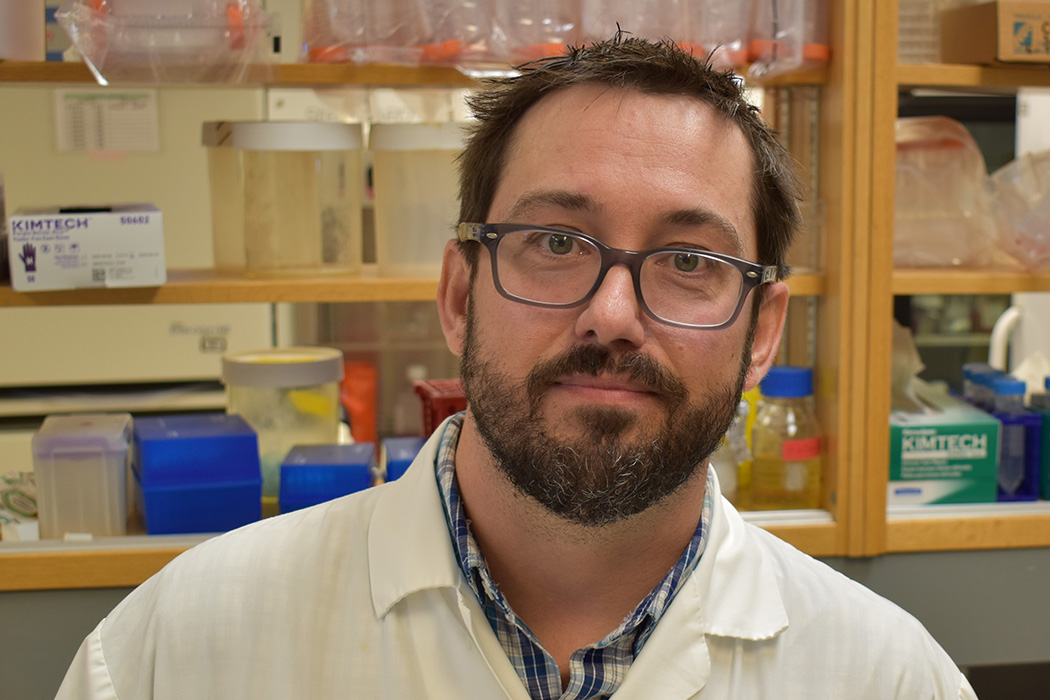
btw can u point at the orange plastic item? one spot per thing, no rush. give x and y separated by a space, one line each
358 396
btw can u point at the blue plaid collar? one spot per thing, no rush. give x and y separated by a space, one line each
596 671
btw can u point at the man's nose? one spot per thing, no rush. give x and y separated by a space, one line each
613 316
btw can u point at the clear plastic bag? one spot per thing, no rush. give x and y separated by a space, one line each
151 41
1022 197
943 211
653 19
788 35
366 31
720 28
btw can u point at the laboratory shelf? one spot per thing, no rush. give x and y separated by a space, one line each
108 562
958 281
971 77
113 562
201 286
335 74
966 527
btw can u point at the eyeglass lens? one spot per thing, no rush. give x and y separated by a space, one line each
560 269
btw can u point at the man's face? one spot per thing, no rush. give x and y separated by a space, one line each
599 412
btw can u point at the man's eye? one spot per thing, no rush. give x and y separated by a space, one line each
559 244
685 262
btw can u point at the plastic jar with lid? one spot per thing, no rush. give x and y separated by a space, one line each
302 192
290 396
786 467
416 195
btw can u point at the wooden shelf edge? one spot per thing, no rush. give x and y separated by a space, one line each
1007 531
117 568
977 78
815 539
330 74
211 287
955 281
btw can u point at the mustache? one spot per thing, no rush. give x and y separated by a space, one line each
597 359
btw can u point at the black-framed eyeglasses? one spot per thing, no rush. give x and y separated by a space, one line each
555 268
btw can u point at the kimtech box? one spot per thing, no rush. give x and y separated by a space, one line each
997 32
81 247
947 455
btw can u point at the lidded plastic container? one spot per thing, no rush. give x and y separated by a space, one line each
416 195
313 474
786 467
290 396
648 18
196 472
1020 446
227 195
80 464
291 191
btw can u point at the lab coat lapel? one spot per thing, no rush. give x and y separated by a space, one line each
733 592
409 551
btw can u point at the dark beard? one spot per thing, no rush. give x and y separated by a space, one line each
600 478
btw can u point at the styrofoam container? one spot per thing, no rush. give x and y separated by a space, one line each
313 474
196 473
416 195
80 463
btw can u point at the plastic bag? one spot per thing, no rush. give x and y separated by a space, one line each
1022 196
149 41
788 35
943 211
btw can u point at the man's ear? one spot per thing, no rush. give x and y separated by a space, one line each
453 295
769 327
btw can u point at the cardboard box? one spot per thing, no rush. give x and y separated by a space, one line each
997 32
947 455
74 248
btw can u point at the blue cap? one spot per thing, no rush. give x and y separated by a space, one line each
972 369
1008 386
788 382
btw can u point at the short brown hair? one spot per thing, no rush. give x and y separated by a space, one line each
660 68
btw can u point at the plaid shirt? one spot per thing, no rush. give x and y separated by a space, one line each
597 670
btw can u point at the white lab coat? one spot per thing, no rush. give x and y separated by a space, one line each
362 598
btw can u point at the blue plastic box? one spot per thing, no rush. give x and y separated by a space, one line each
312 474
398 453
196 472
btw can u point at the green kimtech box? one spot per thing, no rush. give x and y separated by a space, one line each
949 454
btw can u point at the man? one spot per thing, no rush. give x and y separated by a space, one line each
563 538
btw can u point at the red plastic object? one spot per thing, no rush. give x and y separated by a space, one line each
441 398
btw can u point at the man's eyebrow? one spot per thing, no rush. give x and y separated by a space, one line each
560 199
699 217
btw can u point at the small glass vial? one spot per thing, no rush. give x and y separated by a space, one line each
786 465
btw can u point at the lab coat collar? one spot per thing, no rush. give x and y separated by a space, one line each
409 548
733 592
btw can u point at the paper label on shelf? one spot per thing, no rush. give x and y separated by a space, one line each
106 120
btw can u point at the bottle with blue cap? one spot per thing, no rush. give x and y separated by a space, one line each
1019 454
786 467
1039 403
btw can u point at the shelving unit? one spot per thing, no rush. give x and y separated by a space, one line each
933 529
836 291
